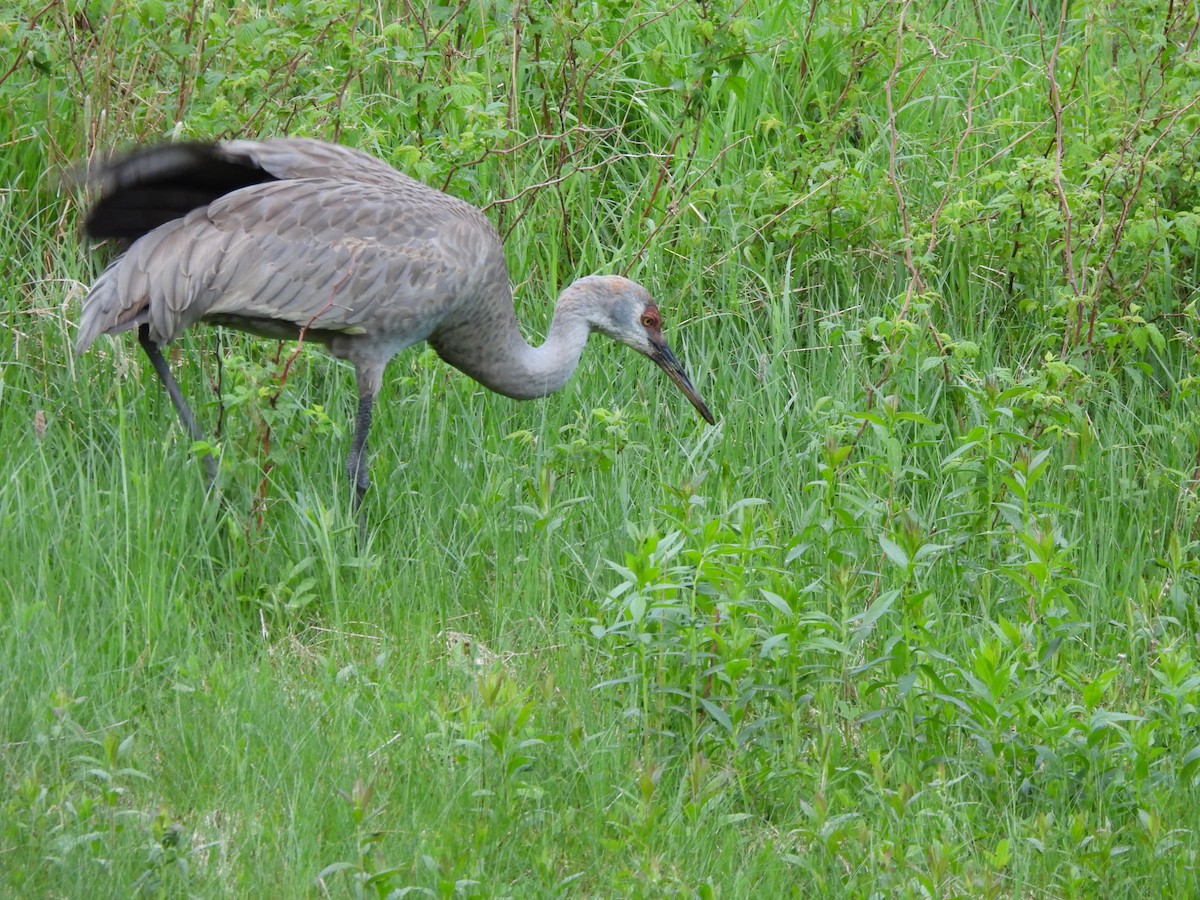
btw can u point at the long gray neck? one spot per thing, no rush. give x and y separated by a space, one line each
494 353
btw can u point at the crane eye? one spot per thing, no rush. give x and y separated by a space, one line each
649 321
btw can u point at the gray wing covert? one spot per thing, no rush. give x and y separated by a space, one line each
316 254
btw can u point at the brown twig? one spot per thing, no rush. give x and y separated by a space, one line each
673 210
889 87
260 496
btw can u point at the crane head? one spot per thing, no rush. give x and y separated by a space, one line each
631 317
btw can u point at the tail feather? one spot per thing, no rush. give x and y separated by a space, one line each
103 312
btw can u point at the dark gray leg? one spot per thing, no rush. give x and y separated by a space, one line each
356 464
176 395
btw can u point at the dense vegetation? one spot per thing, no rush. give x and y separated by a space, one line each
916 618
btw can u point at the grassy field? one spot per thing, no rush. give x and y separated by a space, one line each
917 618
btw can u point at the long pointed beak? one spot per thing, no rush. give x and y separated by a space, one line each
666 361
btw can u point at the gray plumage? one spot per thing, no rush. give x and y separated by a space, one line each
292 237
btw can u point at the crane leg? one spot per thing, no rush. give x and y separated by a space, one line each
356 463
172 387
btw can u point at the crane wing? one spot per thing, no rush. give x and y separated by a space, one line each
148 188
314 254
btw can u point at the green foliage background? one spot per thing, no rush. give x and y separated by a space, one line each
917 618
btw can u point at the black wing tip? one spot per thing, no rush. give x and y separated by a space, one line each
146 187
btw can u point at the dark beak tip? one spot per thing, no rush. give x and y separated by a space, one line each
667 361
697 401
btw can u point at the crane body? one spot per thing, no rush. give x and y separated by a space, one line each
296 238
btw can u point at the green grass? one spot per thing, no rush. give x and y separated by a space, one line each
916 618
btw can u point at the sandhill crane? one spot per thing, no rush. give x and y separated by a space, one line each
301 239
